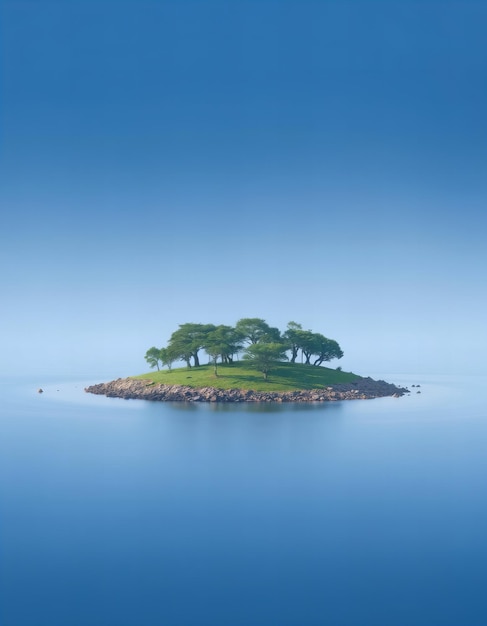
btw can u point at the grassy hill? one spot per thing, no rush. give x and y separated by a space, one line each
284 377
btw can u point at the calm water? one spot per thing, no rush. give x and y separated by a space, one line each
122 513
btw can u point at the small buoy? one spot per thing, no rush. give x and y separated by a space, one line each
40 390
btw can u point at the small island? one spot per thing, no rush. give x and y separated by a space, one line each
275 367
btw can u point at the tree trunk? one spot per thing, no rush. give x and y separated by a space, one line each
196 359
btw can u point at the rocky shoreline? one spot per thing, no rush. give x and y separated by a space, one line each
132 389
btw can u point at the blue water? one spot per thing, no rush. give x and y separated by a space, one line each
133 513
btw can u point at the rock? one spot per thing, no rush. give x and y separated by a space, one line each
40 390
128 388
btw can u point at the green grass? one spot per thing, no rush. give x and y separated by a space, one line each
284 377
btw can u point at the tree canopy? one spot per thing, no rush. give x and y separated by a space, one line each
153 356
264 355
255 330
224 342
187 341
291 336
262 345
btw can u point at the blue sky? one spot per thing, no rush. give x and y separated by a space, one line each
167 162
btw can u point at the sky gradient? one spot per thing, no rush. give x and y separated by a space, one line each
171 162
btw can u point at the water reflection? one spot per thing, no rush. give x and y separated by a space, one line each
352 513
253 407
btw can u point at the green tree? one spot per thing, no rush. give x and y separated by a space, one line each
272 335
254 330
153 356
306 342
326 350
264 356
231 340
223 342
187 341
215 346
292 339
318 345
167 357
